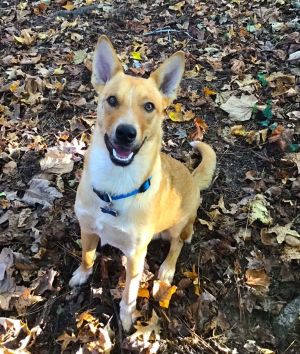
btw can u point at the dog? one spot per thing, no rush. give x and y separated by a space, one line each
130 191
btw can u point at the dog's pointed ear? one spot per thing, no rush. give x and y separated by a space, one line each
105 63
169 74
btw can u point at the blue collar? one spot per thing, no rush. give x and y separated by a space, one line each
108 198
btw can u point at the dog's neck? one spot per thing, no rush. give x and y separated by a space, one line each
106 176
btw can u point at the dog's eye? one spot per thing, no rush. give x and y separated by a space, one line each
112 101
149 106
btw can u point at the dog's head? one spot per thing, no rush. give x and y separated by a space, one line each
130 109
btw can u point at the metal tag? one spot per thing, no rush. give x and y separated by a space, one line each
108 210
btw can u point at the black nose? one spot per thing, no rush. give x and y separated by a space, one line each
125 134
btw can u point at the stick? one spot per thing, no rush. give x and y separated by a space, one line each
168 31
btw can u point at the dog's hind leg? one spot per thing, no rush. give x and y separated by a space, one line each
177 237
89 244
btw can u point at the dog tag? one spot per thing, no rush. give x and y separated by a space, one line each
107 210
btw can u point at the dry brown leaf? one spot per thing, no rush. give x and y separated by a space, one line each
257 277
238 66
9 167
145 333
282 232
16 331
66 339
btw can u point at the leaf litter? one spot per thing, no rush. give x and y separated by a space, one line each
240 94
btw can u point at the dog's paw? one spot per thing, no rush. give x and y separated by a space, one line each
127 315
166 273
80 276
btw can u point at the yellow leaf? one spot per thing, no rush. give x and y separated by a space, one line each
19 39
144 293
136 55
178 107
176 116
85 316
14 86
162 292
178 6
42 35
208 92
238 130
69 6
58 71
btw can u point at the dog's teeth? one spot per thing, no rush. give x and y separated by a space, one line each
122 158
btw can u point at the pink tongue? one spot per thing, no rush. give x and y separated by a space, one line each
122 153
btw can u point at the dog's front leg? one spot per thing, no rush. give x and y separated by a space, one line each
89 242
134 271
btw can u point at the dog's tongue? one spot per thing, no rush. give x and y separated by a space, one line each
121 152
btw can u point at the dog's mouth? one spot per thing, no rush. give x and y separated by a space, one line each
121 155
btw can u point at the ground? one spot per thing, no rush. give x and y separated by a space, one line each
238 283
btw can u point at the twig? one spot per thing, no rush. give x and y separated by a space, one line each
168 31
78 12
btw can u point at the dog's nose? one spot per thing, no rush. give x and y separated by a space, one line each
125 134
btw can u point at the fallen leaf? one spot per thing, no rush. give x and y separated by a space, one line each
162 292
79 56
208 92
240 109
201 129
143 292
238 66
258 210
136 55
6 270
69 6
257 277
144 333
66 339
290 253
9 167
294 56
57 162
282 232
17 332
25 300
41 192
44 282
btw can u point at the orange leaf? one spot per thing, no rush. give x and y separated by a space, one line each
201 128
144 293
162 292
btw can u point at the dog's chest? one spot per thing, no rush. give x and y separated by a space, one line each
117 231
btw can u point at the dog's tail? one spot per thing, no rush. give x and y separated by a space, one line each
203 174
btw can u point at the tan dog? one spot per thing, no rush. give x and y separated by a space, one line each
130 191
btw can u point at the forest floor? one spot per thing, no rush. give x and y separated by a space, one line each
238 283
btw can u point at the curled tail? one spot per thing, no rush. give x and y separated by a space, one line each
203 174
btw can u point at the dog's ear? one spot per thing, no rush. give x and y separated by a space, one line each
169 74
105 63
